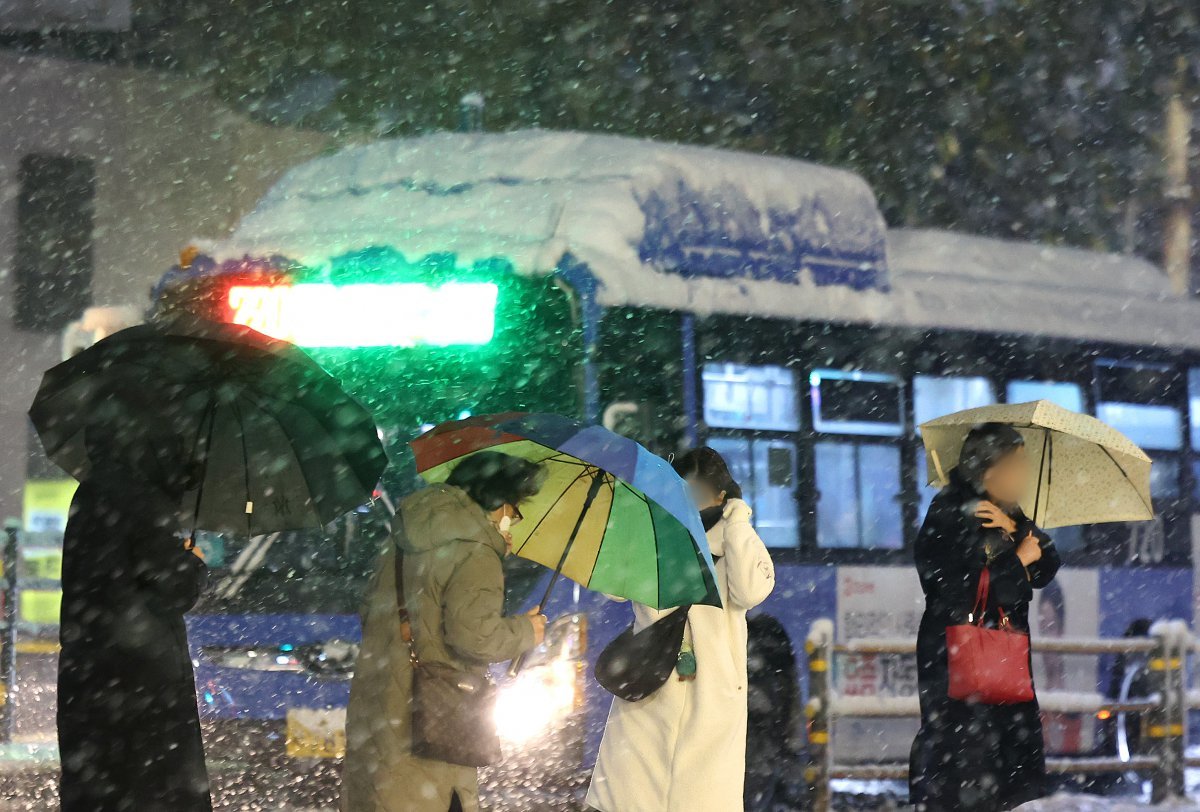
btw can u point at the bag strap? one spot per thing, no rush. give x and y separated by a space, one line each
981 596
401 604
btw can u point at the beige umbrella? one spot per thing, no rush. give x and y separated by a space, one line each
1087 471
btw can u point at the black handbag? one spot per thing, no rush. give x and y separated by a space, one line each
635 665
453 711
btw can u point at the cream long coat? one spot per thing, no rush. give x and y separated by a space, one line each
683 749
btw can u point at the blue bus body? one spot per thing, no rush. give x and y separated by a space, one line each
684 274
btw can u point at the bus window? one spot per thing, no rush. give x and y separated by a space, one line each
1194 416
760 401
1164 478
766 470
1194 405
1136 400
1154 428
750 397
1066 395
858 495
934 395
852 402
321 572
858 479
925 491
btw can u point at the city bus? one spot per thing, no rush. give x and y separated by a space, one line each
680 295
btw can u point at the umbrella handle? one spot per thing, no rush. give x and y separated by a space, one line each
593 491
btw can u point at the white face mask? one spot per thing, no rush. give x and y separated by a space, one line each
504 524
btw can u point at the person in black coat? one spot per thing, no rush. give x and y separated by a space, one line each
971 756
128 726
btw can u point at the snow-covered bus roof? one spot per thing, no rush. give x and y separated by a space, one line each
700 230
946 280
638 214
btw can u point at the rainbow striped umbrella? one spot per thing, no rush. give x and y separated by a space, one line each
612 516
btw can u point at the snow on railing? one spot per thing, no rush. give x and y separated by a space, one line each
820 633
880 707
1176 633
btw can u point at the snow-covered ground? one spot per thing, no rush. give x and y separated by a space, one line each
1091 803
888 796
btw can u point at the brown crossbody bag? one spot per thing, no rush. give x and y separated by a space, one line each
453 711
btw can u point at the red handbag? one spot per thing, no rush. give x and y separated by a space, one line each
989 666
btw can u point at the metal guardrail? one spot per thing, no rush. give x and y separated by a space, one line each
1165 709
898 771
1057 645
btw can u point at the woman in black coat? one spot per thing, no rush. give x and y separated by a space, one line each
971 756
128 726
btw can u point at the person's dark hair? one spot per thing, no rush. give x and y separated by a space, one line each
709 467
986 445
493 479
1139 627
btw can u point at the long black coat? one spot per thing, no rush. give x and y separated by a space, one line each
128 727
969 755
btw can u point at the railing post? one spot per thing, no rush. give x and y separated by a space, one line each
1165 725
1178 714
8 626
819 648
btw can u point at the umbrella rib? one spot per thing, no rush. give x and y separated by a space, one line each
237 413
658 582
612 482
1049 470
1047 440
1124 473
266 408
269 407
550 509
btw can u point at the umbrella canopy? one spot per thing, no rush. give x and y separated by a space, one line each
281 445
1087 472
611 516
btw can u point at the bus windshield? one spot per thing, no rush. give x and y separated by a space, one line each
312 571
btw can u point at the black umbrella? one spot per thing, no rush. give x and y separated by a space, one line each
280 445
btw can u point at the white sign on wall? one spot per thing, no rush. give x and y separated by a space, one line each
876 602
1068 607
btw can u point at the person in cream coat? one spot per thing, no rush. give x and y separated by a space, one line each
683 748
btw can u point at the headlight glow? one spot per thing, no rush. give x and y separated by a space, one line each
535 701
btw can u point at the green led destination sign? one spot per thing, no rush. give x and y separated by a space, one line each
369 315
